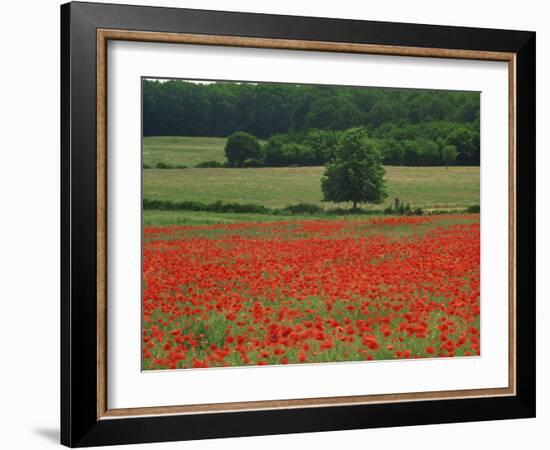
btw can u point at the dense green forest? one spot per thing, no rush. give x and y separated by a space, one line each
303 122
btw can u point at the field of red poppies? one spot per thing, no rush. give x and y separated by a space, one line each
310 291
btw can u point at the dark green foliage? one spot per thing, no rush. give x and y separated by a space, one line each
180 108
428 152
281 151
297 155
323 144
426 144
254 162
163 165
404 143
356 173
333 113
218 207
273 151
466 142
406 123
392 151
304 208
420 152
449 154
240 147
298 209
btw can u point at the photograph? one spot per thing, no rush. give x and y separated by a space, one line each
303 223
276 223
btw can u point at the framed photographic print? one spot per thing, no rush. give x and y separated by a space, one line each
276 224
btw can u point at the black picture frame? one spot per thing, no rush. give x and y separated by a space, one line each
80 425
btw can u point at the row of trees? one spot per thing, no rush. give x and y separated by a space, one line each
180 108
450 143
353 173
424 144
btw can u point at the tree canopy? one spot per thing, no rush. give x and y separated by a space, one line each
410 126
449 154
242 147
356 173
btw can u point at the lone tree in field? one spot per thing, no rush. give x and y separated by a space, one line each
449 153
356 173
240 147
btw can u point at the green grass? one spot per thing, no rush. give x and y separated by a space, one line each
154 217
182 151
425 187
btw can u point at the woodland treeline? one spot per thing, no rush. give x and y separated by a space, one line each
408 126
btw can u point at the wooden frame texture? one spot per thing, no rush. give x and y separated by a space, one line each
86 29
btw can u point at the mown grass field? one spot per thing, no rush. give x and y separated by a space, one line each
427 187
424 187
182 151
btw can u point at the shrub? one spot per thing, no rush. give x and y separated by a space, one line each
304 208
449 154
241 146
219 207
280 151
273 151
253 162
163 165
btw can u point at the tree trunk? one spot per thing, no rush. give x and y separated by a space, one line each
354 204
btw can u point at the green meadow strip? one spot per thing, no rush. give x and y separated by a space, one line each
298 209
